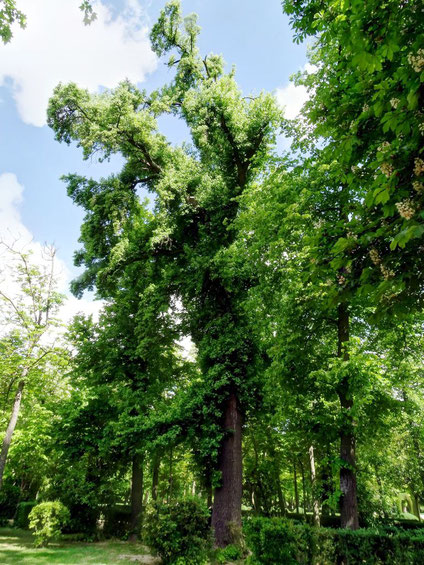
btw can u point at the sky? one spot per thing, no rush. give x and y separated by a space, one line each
56 47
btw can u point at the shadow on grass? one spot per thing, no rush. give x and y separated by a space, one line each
16 547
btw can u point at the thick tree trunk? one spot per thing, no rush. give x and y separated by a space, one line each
226 512
136 497
315 501
10 429
296 492
348 499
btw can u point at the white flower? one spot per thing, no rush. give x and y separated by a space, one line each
406 208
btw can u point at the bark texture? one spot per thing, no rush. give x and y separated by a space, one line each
226 512
348 500
10 429
136 497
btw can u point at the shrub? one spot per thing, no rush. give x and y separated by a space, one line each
277 541
47 520
22 512
9 499
179 532
229 553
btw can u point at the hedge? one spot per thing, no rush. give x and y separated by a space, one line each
22 511
275 541
117 521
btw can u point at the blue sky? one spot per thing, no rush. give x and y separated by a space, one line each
253 35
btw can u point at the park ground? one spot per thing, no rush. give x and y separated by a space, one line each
16 547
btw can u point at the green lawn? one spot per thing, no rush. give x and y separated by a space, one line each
16 546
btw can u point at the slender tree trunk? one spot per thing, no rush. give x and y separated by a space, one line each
315 501
226 512
10 429
327 486
210 496
136 497
170 476
296 492
281 498
155 476
348 500
280 495
416 507
302 470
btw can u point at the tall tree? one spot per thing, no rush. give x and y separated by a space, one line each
197 192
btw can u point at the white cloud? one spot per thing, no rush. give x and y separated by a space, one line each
15 234
56 47
11 227
292 97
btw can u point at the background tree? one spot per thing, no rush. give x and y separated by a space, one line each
28 319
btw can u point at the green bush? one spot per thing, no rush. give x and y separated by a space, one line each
47 520
229 553
22 512
277 541
179 532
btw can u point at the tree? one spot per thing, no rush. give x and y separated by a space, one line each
366 100
197 191
28 317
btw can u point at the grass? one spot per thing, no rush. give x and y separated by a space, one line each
16 546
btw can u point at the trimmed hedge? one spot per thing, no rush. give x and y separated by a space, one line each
22 512
117 521
276 541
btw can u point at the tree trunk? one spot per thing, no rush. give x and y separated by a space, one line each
296 492
302 470
170 475
281 498
416 507
10 429
155 476
226 512
348 499
136 497
210 496
315 501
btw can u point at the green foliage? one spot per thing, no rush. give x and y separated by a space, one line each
47 520
179 531
230 553
22 514
275 541
9 14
